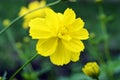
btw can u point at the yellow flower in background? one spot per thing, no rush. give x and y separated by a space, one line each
6 22
91 69
59 36
33 5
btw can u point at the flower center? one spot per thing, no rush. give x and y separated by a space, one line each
64 34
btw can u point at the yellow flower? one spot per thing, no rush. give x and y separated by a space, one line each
91 69
59 36
6 22
33 5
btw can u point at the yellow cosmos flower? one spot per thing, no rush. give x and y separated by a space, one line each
59 36
31 6
91 69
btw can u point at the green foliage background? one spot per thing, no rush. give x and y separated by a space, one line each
12 56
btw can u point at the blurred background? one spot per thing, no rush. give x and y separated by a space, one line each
102 20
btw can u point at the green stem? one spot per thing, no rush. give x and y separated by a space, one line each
12 41
19 52
16 19
103 22
106 45
24 65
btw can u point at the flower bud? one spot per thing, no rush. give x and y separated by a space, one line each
91 69
26 39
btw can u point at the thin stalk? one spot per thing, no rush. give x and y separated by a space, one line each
24 65
12 41
106 45
103 23
19 52
16 19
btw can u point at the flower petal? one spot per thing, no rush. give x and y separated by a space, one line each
39 29
51 19
81 34
75 56
60 16
69 16
23 11
34 5
47 47
61 56
73 45
77 25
